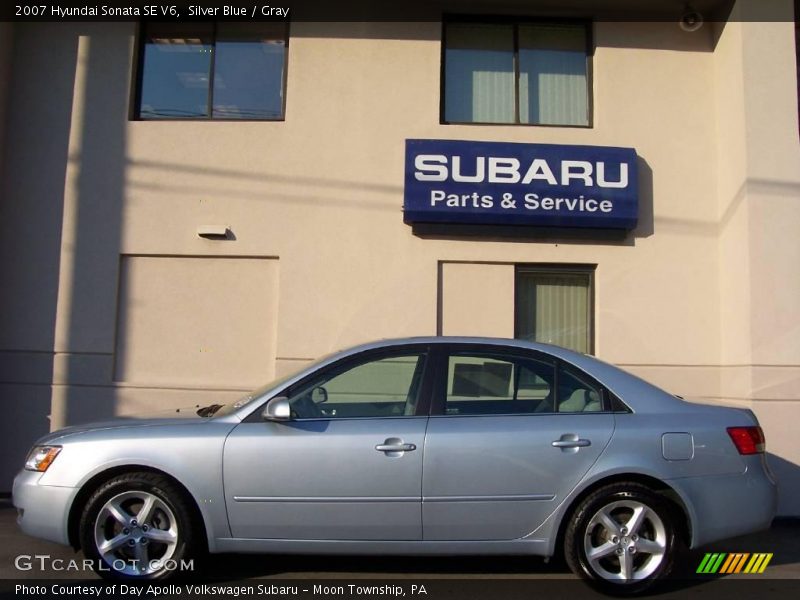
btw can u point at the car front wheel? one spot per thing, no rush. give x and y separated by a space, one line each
137 526
621 538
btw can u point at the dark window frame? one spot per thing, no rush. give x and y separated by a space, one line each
514 356
439 361
138 76
352 361
557 269
588 25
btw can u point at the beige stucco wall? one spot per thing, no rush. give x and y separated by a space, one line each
759 228
681 300
37 119
476 299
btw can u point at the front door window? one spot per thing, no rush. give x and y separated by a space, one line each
386 387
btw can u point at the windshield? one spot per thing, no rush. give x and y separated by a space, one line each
256 394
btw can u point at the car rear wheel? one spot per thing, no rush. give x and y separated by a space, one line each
137 526
621 538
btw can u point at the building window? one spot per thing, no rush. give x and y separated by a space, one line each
516 73
554 305
212 71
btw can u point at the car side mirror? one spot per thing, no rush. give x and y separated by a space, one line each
277 410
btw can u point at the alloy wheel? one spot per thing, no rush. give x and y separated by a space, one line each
625 541
135 533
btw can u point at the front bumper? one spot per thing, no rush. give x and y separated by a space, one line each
42 510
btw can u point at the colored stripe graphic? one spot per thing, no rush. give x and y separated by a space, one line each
703 563
724 563
727 563
740 564
758 563
717 563
734 563
711 563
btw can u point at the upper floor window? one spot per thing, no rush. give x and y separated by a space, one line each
516 73
212 71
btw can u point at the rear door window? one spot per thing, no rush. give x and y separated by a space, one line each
495 384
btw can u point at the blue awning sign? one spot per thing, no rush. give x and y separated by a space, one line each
547 185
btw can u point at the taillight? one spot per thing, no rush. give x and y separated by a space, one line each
748 440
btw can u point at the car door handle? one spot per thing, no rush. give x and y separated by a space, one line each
395 447
576 443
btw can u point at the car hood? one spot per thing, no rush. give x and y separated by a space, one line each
173 416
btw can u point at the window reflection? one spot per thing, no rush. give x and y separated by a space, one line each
206 70
176 71
248 72
527 72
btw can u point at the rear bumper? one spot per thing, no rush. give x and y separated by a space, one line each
42 510
730 505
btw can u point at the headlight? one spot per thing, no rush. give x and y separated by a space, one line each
40 458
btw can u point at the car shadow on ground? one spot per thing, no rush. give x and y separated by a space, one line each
782 540
245 566
507 576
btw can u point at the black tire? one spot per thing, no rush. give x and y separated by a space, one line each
167 534
653 542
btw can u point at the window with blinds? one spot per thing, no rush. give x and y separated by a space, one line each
555 306
516 73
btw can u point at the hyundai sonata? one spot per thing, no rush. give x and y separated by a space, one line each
414 446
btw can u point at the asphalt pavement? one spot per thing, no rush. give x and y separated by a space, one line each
782 540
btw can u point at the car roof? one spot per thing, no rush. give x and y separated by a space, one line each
453 339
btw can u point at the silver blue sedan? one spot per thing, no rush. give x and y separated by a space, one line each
413 446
